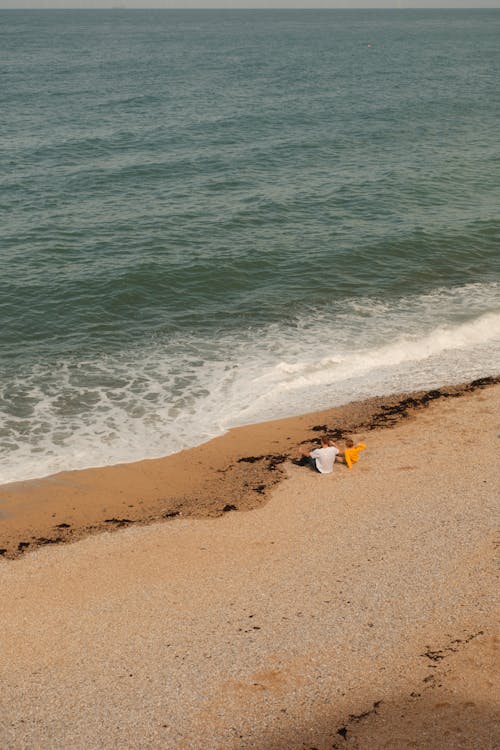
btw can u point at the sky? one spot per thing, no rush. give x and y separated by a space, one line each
263 4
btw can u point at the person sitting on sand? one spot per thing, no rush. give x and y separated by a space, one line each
322 459
351 452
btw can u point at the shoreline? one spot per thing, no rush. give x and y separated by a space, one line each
353 608
235 471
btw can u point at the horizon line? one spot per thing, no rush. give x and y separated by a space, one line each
204 8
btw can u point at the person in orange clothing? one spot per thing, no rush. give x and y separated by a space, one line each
351 452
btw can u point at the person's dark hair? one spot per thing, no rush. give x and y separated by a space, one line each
349 443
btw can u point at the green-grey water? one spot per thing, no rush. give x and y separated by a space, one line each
211 218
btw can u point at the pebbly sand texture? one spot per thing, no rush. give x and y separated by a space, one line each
355 610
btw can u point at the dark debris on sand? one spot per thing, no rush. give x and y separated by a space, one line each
247 480
273 459
389 415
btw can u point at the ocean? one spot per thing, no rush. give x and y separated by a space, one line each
212 218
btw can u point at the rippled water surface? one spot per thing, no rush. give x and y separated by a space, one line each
212 218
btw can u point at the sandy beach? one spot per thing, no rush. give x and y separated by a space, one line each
233 232
236 471
352 610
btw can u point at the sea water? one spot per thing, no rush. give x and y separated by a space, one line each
215 218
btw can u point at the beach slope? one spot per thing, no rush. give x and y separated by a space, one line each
355 610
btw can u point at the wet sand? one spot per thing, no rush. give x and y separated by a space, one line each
352 610
232 472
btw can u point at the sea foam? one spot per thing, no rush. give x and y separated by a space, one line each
178 392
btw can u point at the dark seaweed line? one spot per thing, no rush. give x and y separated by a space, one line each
388 416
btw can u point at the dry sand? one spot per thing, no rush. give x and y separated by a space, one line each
352 610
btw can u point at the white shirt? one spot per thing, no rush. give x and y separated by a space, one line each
325 458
